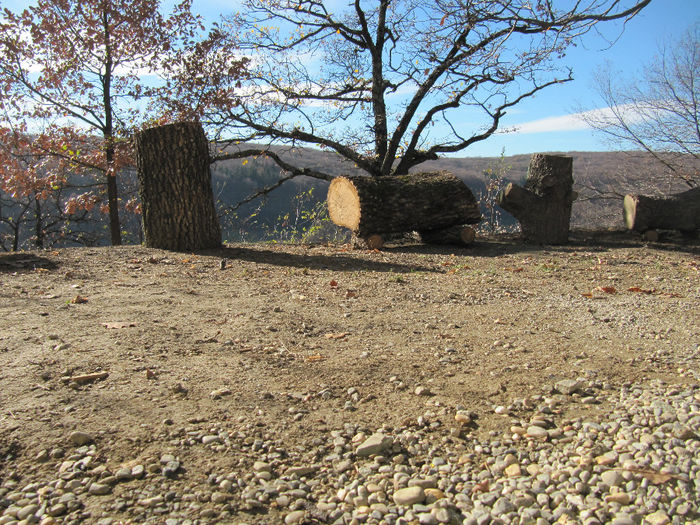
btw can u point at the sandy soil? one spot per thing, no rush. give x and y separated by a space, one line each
298 340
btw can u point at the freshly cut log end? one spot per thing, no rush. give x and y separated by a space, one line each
344 203
680 211
629 206
392 204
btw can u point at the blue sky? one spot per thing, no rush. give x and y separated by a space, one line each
548 122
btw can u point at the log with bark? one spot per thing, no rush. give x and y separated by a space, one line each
543 206
175 187
674 212
425 202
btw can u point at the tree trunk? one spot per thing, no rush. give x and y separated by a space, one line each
175 187
405 203
675 212
543 206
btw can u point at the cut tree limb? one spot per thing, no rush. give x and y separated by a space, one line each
675 212
458 235
543 206
415 202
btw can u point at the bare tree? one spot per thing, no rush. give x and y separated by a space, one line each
384 84
659 111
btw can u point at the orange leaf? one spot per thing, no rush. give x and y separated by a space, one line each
339 335
607 289
79 299
640 290
315 357
587 295
350 294
334 284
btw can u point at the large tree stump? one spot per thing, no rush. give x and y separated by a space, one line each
372 206
543 206
175 186
675 212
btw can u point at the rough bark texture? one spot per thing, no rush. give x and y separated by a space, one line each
175 187
675 212
458 235
543 206
415 202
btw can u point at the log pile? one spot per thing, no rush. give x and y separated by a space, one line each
543 206
436 205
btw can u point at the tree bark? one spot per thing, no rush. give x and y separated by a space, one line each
675 212
543 206
175 187
392 204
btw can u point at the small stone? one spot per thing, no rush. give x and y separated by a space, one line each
302 471
42 456
374 444
612 478
124 474
658 518
502 506
80 438
422 391
208 440
463 417
409 496
618 497
567 386
219 393
220 497
27 511
262 466
99 489
513 471
432 495
138 471
535 431
295 517
171 469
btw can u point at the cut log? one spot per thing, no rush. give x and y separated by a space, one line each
675 212
175 187
543 206
457 235
414 202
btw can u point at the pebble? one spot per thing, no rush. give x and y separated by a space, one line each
409 495
79 438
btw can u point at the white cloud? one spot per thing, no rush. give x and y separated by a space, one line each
576 121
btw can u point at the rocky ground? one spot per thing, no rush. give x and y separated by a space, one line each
498 383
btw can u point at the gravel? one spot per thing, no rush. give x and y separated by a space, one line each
639 463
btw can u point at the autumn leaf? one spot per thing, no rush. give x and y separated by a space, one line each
78 299
334 284
339 335
350 294
606 289
637 289
315 357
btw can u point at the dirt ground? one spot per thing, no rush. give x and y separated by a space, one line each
298 340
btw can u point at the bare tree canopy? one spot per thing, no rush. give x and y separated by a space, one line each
385 83
659 111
